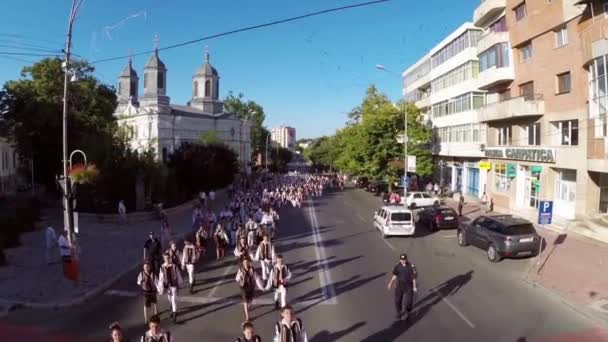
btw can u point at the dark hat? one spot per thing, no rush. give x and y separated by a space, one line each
403 256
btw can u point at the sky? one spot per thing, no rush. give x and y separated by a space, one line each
306 74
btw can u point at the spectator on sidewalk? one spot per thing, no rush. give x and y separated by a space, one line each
484 203
51 244
211 196
122 212
460 204
202 196
165 233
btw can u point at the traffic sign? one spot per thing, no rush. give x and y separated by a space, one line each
405 181
545 212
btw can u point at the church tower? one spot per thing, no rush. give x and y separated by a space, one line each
206 89
128 83
155 84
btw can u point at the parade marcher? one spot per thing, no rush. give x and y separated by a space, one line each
279 277
221 241
242 249
155 333
265 255
174 254
251 228
153 252
249 334
201 236
404 273
165 232
116 333
169 281
248 280
289 328
122 212
268 222
50 238
147 281
189 258
202 196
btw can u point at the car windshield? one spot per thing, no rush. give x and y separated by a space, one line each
520 229
401 217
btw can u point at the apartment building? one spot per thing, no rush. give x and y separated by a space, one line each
444 84
284 137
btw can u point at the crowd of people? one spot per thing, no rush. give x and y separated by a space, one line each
247 227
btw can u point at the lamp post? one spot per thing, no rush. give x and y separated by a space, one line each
405 137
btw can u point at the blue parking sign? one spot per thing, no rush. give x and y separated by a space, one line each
405 181
545 212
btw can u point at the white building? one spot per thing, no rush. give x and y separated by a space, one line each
154 122
9 163
444 84
284 136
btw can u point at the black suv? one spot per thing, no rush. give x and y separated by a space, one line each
437 217
501 236
362 182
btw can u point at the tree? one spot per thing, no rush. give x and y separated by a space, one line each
31 115
209 137
280 158
203 167
253 113
419 142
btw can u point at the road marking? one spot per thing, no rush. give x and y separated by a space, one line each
361 217
455 309
389 244
120 293
327 286
449 236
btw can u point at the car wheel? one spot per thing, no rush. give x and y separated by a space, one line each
462 239
493 255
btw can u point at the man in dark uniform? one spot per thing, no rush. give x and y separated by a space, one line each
405 275
153 252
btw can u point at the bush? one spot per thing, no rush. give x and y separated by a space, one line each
22 219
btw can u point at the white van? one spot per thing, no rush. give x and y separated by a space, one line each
394 220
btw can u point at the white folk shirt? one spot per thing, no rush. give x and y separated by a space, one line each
267 219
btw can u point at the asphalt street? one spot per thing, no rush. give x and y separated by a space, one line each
341 266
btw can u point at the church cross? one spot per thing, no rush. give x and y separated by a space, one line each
156 41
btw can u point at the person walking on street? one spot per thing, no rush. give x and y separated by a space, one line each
189 258
165 232
491 204
153 252
248 280
51 244
249 334
484 203
202 197
155 333
289 328
460 204
122 212
404 274
265 255
201 238
242 249
279 277
116 333
221 241
147 281
169 281
436 189
174 254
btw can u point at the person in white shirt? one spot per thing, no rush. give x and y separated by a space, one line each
251 228
279 277
51 244
64 248
169 280
265 255
289 328
189 258
122 211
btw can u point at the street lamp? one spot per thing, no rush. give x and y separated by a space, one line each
405 137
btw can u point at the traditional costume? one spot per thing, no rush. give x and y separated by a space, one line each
266 256
279 277
189 258
290 332
169 281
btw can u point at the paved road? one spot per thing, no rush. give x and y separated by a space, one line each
341 266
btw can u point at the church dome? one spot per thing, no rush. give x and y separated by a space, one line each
154 62
206 69
128 71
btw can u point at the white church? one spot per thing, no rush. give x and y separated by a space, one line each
152 121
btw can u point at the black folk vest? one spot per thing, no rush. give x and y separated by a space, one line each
290 333
170 274
247 282
278 276
147 282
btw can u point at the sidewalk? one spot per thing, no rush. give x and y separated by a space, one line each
574 268
108 252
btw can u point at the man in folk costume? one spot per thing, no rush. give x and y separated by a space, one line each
289 328
279 277
189 258
147 280
221 241
155 333
251 228
265 255
242 249
175 254
248 280
249 334
169 281
201 236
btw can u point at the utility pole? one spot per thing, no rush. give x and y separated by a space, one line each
405 141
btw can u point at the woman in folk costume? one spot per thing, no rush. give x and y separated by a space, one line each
249 334
242 249
265 255
221 241
116 333
147 281
169 281
175 254
189 258
279 277
289 328
248 281
201 236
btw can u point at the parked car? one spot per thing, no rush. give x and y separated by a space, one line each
438 217
500 236
394 220
362 182
417 199
378 187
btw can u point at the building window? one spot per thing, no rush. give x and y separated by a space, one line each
503 136
561 37
566 186
160 78
458 75
207 88
499 25
520 11
563 83
527 90
497 55
501 181
565 132
532 131
525 52
459 104
119 88
598 102
464 41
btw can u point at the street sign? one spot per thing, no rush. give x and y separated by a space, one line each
485 165
411 164
405 181
545 212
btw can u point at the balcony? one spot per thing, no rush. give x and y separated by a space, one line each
490 39
423 102
593 37
494 76
521 106
487 10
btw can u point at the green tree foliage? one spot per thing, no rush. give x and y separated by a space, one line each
203 167
280 158
209 137
253 113
31 115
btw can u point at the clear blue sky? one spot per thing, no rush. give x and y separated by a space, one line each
306 74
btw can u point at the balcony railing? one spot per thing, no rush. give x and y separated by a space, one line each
486 10
521 106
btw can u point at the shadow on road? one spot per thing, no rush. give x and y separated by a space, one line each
317 265
325 336
421 308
